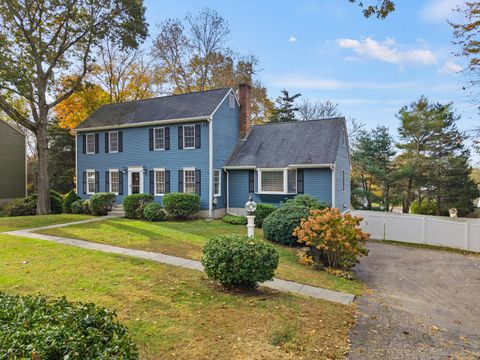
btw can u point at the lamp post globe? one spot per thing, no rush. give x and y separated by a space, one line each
250 207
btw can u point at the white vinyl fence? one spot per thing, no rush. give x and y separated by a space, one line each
419 229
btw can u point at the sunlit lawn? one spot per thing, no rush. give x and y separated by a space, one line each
186 239
25 222
172 312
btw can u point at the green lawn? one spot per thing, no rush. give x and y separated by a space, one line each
177 313
25 222
186 239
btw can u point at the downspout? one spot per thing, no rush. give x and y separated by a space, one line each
228 191
210 168
333 167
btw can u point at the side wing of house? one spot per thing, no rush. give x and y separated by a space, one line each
12 162
342 174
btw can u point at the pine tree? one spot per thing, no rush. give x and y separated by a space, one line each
285 108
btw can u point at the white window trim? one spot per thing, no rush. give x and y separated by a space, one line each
86 145
110 142
285 182
94 181
154 138
185 169
194 136
110 171
219 183
155 181
132 169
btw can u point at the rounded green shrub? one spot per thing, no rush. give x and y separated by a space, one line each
307 201
101 203
154 212
77 206
86 207
235 220
263 210
132 203
237 261
181 205
279 225
68 200
33 327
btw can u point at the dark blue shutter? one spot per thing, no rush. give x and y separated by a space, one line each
97 144
180 137
251 181
84 145
167 138
150 139
198 182
107 181
120 182
180 180
84 180
198 139
97 181
167 181
106 142
120 141
152 182
300 181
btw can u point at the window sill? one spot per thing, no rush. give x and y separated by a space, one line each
159 149
90 153
275 193
112 152
159 195
188 148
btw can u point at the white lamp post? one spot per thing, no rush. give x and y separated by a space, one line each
250 206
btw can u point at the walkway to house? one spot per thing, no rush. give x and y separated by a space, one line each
421 304
277 284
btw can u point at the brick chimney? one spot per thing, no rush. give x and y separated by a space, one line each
245 109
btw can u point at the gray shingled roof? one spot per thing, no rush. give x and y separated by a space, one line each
290 143
191 105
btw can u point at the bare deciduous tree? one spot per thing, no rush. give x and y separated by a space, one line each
308 110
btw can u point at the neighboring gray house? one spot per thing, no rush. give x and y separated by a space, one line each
204 143
13 167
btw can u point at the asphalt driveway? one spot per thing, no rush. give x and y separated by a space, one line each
421 304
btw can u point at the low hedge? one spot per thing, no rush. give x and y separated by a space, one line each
181 205
132 204
154 212
101 203
279 225
68 201
33 327
235 220
77 206
238 261
263 210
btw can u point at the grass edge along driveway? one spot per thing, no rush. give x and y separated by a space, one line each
185 239
177 312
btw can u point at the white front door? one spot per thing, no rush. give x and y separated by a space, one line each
135 180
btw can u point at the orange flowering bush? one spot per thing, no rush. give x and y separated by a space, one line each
334 240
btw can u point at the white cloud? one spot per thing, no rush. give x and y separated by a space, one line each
387 51
292 39
451 68
440 10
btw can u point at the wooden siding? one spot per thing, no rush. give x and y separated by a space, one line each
12 162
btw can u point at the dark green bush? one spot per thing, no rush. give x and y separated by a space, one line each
101 203
238 261
263 210
181 205
235 220
86 206
28 205
68 200
279 225
32 327
77 207
154 212
307 201
132 203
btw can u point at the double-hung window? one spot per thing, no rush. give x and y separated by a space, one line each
159 138
280 181
189 181
113 142
114 181
90 147
189 136
217 183
91 181
159 182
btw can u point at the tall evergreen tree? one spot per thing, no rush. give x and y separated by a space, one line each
285 108
61 157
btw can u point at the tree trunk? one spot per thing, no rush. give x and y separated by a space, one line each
43 201
408 198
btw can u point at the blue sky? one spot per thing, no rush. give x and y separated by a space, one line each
326 50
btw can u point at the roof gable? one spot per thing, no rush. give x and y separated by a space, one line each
279 145
195 105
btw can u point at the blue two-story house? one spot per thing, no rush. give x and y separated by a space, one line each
203 143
